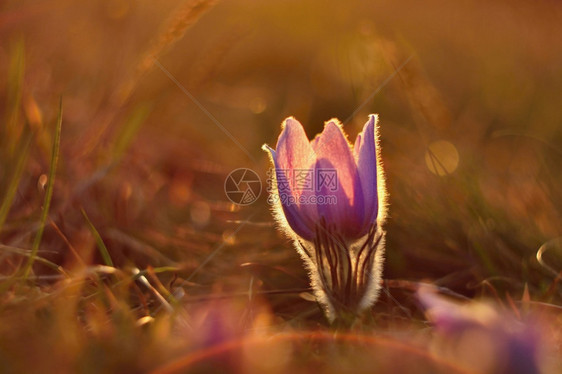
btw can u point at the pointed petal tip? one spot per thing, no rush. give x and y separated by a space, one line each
291 128
332 122
290 121
372 121
270 152
265 147
374 116
293 150
332 127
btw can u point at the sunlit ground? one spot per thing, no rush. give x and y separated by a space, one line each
120 251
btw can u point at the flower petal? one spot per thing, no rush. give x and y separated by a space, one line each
294 153
334 152
296 220
366 153
293 148
357 146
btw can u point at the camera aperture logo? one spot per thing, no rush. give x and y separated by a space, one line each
242 186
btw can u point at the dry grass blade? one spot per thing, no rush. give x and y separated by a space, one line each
27 253
157 294
174 29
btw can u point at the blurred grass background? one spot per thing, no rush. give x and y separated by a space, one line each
142 258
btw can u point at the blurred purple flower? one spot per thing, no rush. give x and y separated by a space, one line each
337 225
481 338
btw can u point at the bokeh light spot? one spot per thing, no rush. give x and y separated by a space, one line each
229 237
42 182
180 191
200 213
258 105
233 207
442 157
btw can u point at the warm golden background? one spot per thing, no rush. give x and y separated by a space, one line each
469 98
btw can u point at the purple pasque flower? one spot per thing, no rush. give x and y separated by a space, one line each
480 337
329 197
356 195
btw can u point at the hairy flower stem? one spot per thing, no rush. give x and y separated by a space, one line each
346 276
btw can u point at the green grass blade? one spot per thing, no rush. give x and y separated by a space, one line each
11 132
48 194
129 130
10 193
99 241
